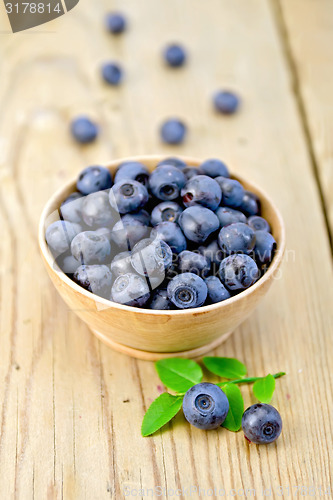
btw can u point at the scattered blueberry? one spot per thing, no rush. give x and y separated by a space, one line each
250 204
105 231
237 238
128 196
115 23
93 179
112 73
193 262
175 55
258 223
89 247
60 234
261 424
187 290
96 278
130 289
166 181
228 216
160 300
205 406
173 161
173 131
167 211
133 170
68 263
70 209
171 233
190 172
84 130
216 290
142 216
202 190
97 211
265 247
232 192
151 256
198 223
214 168
238 272
226 102
213 253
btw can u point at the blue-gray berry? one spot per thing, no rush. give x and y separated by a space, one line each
205 406
261 423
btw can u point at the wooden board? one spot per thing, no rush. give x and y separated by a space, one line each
308 35
70 408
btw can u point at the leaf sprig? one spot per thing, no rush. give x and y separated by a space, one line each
179 375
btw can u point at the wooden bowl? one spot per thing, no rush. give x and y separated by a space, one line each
149 334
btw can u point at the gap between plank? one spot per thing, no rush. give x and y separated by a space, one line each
296 87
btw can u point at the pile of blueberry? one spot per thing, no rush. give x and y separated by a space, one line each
177 238
173 130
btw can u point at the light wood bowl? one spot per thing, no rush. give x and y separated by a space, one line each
149 334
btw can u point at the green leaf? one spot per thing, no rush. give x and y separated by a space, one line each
160 412
233 422
264 388
225 367
178 374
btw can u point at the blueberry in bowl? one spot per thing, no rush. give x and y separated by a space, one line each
123 259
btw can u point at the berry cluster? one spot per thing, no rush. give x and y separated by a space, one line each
179 237
173 130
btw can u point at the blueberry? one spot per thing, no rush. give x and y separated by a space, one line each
261 424
236 238
142 216
96 278
70 208
250 204
226 102
187 290
171 233
115 23
216 290
232 192
160 300
198 223
60 234
174 162
128 196
214 168
112 73
265 247
193 262
133 170
258 223
151 256
238 272
67 263
173 131
84 130
205 406
166 182
228 216
89 247
128 231
96 210
93 179
202 190
121 264
131 290
167 211
213 253
175 55
105 231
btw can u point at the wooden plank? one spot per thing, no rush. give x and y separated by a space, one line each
66 429
308 30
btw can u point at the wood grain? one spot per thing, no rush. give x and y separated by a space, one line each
70 408
309 49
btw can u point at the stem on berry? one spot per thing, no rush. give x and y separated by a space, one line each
249 380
